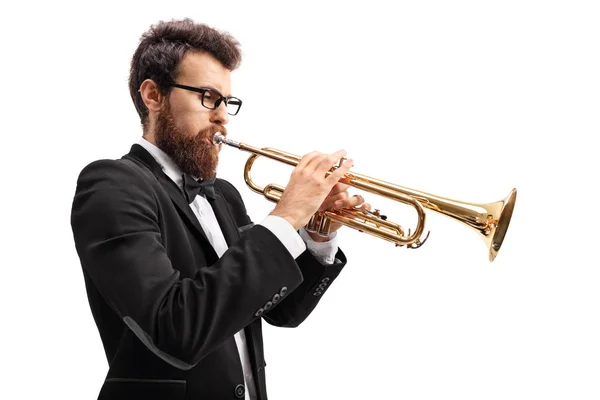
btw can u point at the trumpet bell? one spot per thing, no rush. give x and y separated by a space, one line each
503 210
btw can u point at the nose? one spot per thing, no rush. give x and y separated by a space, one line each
219 115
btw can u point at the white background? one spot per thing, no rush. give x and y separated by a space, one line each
464 99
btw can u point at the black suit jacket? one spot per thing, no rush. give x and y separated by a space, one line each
165 305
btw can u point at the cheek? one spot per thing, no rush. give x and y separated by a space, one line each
192 122
190 116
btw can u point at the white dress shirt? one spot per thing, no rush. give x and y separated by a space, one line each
285 232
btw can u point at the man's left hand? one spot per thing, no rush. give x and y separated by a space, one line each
338 197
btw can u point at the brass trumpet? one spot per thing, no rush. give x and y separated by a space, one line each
489 220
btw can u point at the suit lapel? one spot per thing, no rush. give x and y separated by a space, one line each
182 205
224 217
140 154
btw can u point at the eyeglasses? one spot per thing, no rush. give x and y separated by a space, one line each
212 99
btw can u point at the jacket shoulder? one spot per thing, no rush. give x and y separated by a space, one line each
107 180
122 169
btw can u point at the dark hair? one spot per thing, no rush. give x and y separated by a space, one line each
163 46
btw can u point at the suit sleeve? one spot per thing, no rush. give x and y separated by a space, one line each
115 222
298 305
317 278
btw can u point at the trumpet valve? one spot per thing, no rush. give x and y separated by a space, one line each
319 224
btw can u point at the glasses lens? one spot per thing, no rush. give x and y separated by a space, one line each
210 98
233 105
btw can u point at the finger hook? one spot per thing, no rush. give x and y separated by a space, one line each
419 242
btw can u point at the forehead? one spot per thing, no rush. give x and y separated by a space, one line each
202 69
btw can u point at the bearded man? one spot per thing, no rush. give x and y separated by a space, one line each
178 277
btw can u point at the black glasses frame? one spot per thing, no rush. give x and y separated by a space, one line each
227 100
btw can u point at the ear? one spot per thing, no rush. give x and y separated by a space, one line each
151 95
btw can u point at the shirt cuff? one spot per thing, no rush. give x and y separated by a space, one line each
286 233
323 251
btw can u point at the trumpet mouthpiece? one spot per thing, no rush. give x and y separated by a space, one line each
219 138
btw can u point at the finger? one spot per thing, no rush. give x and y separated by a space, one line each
330 201
304 166
339 188
353 201
329 161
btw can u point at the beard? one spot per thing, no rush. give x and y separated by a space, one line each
192 154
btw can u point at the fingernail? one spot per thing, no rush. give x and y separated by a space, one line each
338 203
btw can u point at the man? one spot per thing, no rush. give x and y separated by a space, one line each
178 278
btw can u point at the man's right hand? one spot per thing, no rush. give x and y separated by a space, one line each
309 185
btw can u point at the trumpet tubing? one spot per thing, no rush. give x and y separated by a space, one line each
489 220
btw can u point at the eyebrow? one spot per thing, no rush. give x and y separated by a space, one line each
213 88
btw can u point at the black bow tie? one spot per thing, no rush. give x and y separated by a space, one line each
192 188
